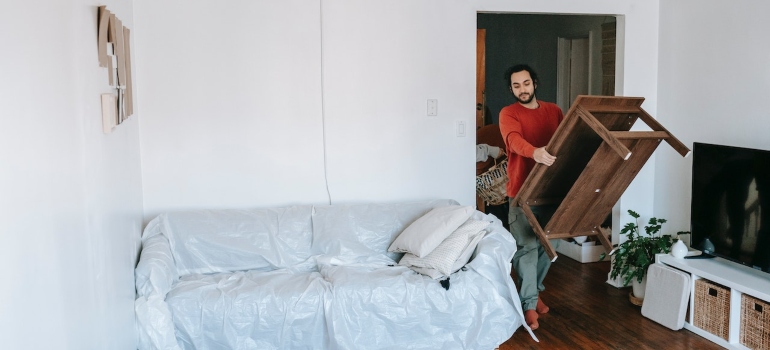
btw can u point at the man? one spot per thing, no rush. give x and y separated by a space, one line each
527 126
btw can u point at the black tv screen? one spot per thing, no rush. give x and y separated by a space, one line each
731 203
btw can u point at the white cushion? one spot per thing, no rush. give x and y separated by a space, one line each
428 231
465 256
208 241
444 256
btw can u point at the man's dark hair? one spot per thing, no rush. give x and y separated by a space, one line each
518 68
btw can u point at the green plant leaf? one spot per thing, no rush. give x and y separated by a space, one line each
632 257
628 229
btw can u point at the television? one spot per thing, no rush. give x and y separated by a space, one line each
731 203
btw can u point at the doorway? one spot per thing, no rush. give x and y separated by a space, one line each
511 38
505 39
573 72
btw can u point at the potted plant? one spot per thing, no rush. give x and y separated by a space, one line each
637 253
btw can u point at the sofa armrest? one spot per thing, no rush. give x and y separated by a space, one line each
156 272
155 275
493 261
495 251
154 324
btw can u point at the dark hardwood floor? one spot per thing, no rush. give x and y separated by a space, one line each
587 313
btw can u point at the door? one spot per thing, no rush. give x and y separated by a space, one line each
572 70
481 105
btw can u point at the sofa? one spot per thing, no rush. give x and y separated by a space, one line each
316 277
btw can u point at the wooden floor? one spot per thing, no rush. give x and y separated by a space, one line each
587 313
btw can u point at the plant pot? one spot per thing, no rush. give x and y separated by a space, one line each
639 287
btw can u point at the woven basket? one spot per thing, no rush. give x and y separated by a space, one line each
755 323
634 300
490 186
712 308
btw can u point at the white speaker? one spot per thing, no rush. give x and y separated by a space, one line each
666 296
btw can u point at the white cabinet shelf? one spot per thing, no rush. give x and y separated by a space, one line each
738 278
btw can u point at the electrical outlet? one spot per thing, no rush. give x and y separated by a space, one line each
432 107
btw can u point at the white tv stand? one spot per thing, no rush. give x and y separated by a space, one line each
739 278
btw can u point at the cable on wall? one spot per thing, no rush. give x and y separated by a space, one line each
323 99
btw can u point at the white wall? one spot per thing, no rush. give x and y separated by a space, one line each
70 196
713 81
230 102
221 120
382 61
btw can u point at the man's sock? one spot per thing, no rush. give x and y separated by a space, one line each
530 316
541 307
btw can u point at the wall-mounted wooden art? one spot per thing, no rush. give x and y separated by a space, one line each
115 55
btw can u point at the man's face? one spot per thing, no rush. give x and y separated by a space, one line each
523 87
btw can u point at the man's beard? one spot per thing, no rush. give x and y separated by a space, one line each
528 100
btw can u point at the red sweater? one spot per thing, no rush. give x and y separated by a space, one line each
524 130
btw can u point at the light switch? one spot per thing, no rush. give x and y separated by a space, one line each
460 128
432 107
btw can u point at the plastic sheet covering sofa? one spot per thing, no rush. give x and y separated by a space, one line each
315 277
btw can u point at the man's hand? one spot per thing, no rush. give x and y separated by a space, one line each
543 157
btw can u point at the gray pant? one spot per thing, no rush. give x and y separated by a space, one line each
530 261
